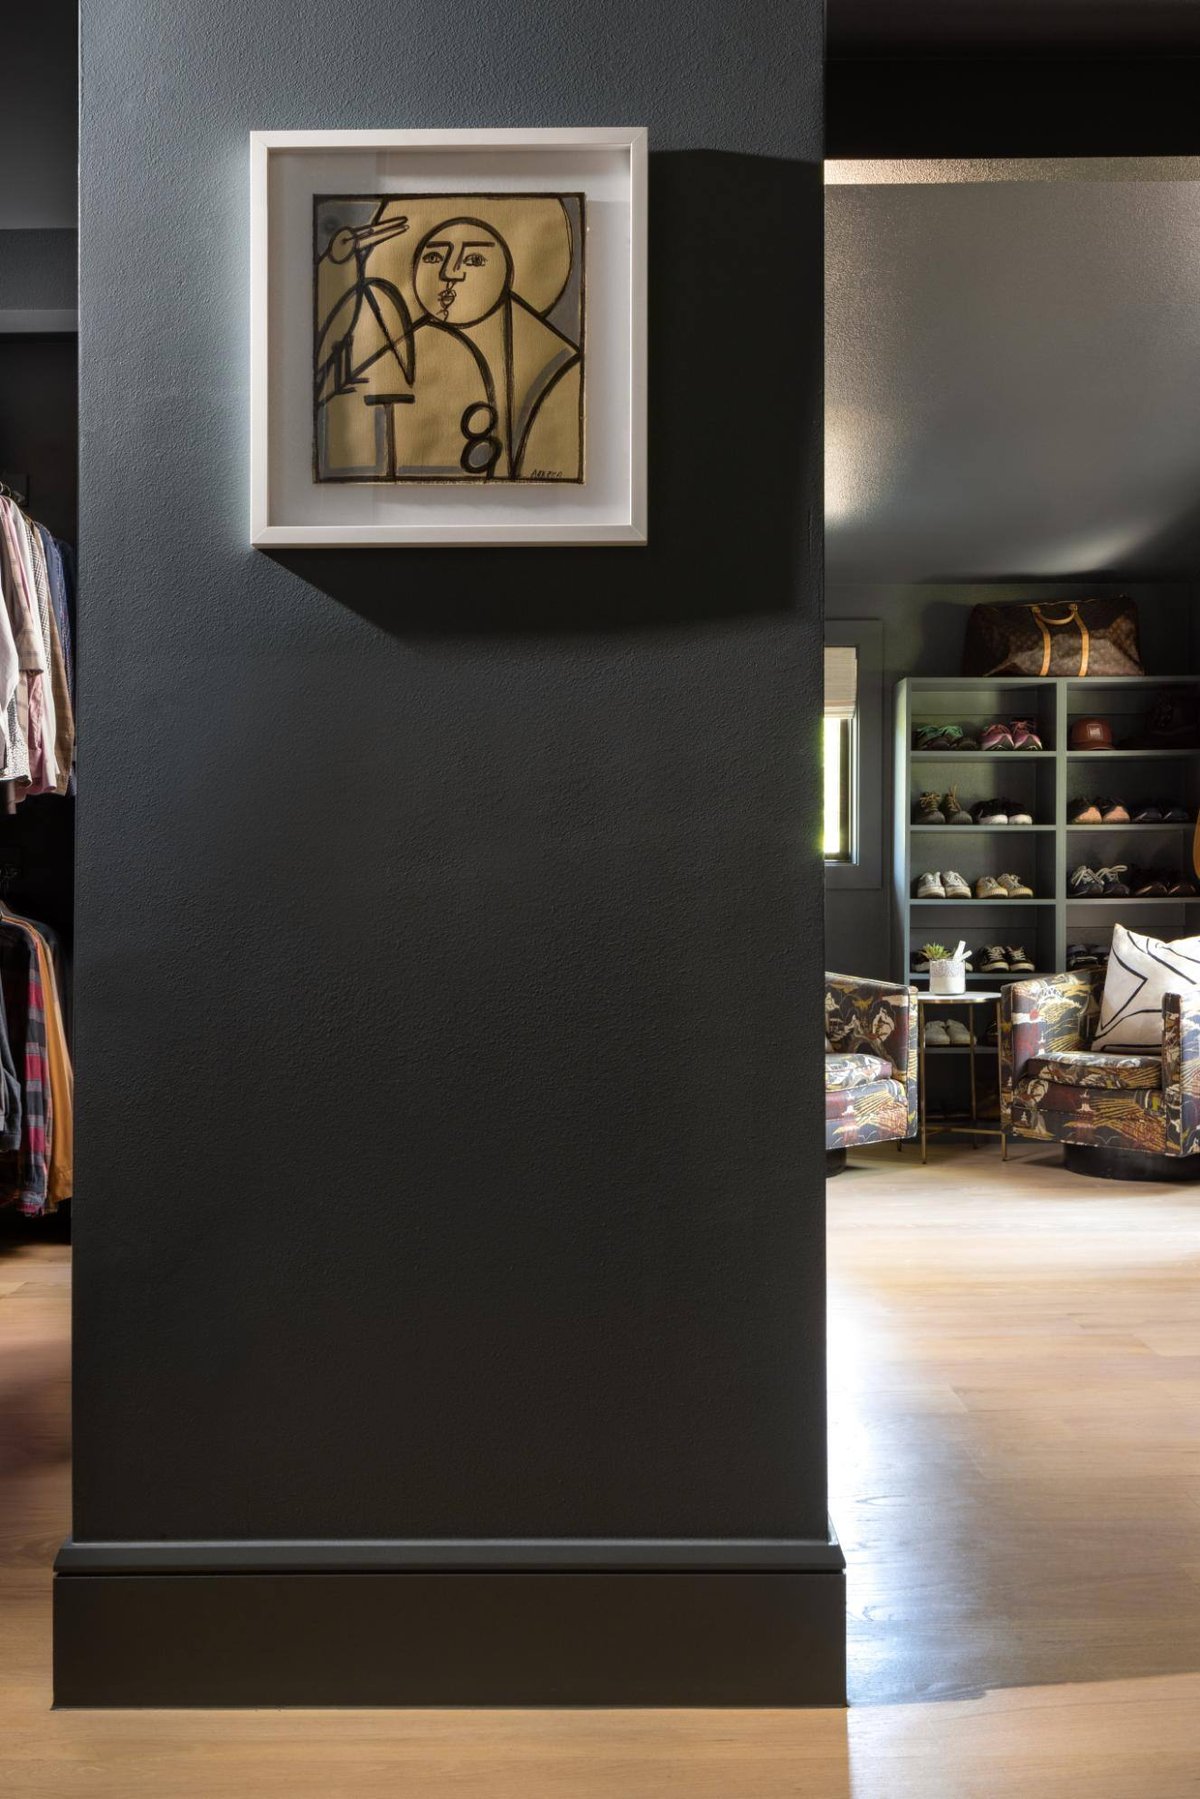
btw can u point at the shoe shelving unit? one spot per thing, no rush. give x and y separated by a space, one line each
1045 782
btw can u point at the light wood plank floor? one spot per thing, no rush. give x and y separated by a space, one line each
1015 1402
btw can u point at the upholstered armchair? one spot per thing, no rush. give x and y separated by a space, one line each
1142 1111
870 1063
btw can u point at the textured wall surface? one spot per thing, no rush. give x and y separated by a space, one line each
1013 378
449 934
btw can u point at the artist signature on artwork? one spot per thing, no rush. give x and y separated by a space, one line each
546 474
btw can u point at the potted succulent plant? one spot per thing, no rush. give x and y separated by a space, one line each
947 968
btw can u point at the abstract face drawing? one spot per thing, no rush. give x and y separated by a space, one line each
462 271
449 338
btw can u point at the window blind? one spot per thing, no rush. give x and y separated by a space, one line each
841 681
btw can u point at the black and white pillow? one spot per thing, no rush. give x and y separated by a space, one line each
1140 970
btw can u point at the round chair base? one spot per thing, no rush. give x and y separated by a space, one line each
1129 1164
835 1162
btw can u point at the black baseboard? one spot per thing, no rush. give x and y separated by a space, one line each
1128 1164
451 1638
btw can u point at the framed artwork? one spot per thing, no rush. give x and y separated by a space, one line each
448 337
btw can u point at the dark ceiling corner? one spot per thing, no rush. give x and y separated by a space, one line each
1026 78
1022 28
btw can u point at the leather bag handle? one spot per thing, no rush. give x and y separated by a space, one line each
1044 625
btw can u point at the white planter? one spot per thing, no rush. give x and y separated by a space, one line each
948 977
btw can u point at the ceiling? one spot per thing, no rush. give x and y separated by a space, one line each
1012 370
883 28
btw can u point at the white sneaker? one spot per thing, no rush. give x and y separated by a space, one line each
929 886
954 885
936 1035
960 1036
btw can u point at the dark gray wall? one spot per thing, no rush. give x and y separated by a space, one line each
450 1153
39 144
1013 375
923 631
39 138
37 271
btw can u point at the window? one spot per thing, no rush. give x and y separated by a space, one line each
841 729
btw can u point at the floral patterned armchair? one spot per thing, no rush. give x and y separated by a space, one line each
870 1061
1055 1088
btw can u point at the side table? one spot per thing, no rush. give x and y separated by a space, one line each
970 1001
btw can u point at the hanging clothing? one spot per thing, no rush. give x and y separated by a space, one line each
61 1177
59 961
10 661
43 721
37 708
62 663
16 581
12 1111
25 1172
37 748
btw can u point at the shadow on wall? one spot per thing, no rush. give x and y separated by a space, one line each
735 368
942 630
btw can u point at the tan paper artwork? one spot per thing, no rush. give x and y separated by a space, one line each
449 337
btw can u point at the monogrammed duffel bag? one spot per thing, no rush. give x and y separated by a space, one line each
1054 637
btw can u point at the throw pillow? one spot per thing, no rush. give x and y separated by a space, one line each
1140 970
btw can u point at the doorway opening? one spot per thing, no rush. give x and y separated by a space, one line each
1012 790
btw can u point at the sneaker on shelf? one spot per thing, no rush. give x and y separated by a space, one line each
993 959
1113 812
929 886
960 1036
1148 815
955 886
1017 815
942 737
987 887
1148 883
955 814
996 737
1085 884
989 812
936 1034
992 1035
1015 887
1084 812
1024 736
1180 884
928 810
1112 881
1176 815
1018 961
1080 955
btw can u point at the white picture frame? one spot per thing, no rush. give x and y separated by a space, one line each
289 507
